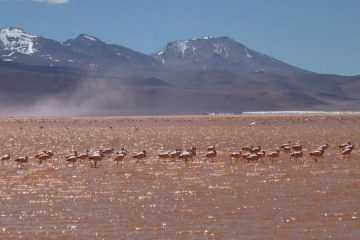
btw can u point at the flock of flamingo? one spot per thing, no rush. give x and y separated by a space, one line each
247 153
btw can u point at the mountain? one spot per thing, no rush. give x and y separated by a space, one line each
93 50
83 52
221 53
85 75
19 46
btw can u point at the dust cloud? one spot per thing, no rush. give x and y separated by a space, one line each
89 97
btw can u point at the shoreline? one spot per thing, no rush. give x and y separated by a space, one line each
196 116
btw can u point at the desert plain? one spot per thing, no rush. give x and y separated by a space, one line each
153 199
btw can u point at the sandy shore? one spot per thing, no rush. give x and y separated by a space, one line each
173 200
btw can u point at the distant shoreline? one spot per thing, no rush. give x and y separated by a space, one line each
207 115
300 113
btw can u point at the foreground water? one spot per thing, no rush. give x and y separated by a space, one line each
200 200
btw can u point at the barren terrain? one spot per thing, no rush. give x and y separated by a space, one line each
153 199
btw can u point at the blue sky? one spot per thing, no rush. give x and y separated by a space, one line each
318 35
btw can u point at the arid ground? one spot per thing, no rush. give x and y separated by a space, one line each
173 200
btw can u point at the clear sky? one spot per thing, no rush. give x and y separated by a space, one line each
318 35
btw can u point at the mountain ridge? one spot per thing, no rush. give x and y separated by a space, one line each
205 74
213 52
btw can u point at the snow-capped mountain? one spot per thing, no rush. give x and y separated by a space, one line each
94 50
199 49
89 52
15 40
83 52
207 74
218 53
18 46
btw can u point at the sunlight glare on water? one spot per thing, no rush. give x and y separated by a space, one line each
173 200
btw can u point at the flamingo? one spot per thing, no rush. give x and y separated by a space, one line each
285 145
317 153
211 155
175 154
43 156
255 149
5 158
261 154
211 148
22 160
297 147
140 155
108 150
164 155
274 155
245 156
119 158
287 149
247 148
83 156
123 151
186 155
343 146
296 155
96 157
72 159
236 155
252 158
193 150
252 124
347 151
324 146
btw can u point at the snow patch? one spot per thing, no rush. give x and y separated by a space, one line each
162 51
221 50
247 54
8 55
203 38
159 55
181 46
89 38
14 39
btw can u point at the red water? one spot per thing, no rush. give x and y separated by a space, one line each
174 200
